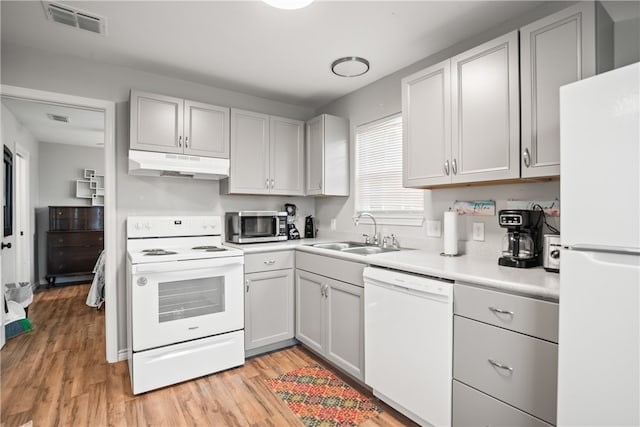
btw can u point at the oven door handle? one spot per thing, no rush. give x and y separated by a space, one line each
191 265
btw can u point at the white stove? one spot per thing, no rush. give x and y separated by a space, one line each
184 299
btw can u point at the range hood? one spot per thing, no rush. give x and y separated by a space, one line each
149 163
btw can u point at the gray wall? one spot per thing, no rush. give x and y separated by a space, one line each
14 133
37 69
60 166
627 42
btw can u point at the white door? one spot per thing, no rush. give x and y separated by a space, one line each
426 125
22 223
485 112
310 309
206 130
345 326
287 156
2 313
249 169
315 155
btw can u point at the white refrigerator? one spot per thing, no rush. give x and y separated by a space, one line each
599 341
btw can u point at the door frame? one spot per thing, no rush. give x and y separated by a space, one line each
22 223
110 242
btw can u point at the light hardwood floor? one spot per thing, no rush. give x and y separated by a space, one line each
57 375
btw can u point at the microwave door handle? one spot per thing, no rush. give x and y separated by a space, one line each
277 230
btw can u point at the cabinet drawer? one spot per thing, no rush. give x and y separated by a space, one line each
268 261
81 238
346 271
530 316
530 385
472 408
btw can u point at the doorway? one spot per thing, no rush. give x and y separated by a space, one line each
24 243
108 109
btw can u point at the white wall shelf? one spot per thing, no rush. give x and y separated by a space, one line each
91 187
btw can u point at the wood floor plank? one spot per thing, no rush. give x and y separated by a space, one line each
60 374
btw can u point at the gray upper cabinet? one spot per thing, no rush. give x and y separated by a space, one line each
174 125
266 155
426 118
554 51
485 112
327 156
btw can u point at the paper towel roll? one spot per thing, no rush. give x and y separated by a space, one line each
450 233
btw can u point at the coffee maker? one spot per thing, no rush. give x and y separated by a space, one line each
522 245
292 231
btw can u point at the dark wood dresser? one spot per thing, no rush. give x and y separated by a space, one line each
74 240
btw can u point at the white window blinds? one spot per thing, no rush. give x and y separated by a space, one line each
379 171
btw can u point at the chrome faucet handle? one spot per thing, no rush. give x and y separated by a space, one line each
367 241
384 241
394 242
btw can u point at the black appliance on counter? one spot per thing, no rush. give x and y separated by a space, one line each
522 245
292 231
310 230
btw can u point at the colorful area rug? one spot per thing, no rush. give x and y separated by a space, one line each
321 399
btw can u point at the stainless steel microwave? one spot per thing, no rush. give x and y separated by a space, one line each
255 226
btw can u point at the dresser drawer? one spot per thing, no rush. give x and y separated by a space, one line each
79 238
529 316
63 218
65 260
531 383
268 261
472 408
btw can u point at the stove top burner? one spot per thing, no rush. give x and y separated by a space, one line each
209 248
155 252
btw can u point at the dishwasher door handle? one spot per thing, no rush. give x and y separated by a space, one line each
407 290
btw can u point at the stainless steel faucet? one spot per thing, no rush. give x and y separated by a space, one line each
375 225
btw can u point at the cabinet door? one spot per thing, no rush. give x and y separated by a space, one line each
309 309
485 112
268 309
345 326
156 122
249 163
555 51
426 118
286 156
315 155
206 130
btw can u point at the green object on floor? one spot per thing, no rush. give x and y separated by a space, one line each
17 327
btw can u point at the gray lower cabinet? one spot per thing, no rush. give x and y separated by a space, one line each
269 301
505 359
330 313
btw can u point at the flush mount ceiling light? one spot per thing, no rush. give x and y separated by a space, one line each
350 66
288 4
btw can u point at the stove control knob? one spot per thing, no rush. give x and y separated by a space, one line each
213 226
138 226
147 226
142 281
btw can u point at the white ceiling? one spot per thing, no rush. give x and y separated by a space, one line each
85 127
251 47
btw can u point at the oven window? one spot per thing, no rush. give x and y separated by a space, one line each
190 298
258 226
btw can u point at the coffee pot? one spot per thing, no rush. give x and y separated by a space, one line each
521 246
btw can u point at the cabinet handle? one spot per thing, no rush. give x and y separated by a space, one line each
270 262
500 365
326 291
454 167
246 282
272 182
186 142
266 183
526 157
180 141
501 311
446 167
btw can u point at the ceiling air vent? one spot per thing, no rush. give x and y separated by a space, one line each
58 118
73 17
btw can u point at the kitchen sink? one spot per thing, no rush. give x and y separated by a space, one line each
354 248
368 250
338 246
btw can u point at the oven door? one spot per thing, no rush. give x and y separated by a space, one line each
179 301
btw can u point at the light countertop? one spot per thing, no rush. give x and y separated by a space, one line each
533 282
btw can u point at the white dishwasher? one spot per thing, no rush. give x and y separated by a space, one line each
408 337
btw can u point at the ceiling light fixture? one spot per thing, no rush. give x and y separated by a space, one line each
350 66
288 4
